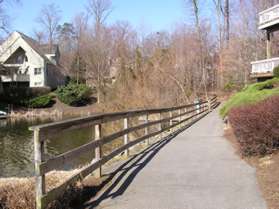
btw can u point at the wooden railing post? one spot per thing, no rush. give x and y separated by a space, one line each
198 105
40 178
193 113
98 150
180 119
146 129
209 105
126 136
170 113
160 125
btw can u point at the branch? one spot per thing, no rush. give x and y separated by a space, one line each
178 83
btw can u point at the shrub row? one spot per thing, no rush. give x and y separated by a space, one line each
256 126
72 94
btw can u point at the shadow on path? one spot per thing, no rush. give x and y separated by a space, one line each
123 176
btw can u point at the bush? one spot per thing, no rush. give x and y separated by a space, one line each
16 95
256 126
74 94
41 101
276 72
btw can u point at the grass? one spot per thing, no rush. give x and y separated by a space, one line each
251 94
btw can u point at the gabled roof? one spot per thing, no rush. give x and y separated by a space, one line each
41 49
47 49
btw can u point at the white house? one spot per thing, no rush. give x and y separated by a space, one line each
26 61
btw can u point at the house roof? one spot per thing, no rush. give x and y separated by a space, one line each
47 49
41 49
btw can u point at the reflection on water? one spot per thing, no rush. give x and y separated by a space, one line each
16 147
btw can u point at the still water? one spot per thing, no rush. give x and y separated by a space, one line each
16 147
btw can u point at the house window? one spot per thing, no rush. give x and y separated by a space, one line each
20 59
37 71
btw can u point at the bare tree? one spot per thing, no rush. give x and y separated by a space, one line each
80 23
4 17
99 10
39 36
201 62
220 13
227 20
49 19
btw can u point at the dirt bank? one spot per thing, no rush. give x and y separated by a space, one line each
267 168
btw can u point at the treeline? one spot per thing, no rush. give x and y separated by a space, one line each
204 53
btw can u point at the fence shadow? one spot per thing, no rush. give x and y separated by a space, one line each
119 178
124 175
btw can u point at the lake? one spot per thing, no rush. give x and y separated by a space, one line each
16 147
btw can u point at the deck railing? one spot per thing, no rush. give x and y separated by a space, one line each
184 115
269 17
15 78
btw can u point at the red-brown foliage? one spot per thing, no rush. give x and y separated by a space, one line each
257 126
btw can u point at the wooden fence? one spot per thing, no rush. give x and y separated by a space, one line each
182 115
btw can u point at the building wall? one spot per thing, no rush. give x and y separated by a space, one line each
50 75
54 76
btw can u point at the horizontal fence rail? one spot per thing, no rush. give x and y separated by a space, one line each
177 117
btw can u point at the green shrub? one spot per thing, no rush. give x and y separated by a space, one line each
276 72
74 94
41 101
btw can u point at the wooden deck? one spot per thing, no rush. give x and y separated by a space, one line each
269 18
264 68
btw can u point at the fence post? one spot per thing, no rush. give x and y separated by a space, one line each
186 115
179 113
40 178
126 136
170 117
209 105
193 113
160 125
146 130
98 150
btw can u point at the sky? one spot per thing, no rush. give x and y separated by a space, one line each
153 15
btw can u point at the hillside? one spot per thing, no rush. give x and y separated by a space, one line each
251 94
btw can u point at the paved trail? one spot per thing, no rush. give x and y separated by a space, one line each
197 169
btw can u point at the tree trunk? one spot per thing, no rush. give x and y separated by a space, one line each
227 20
